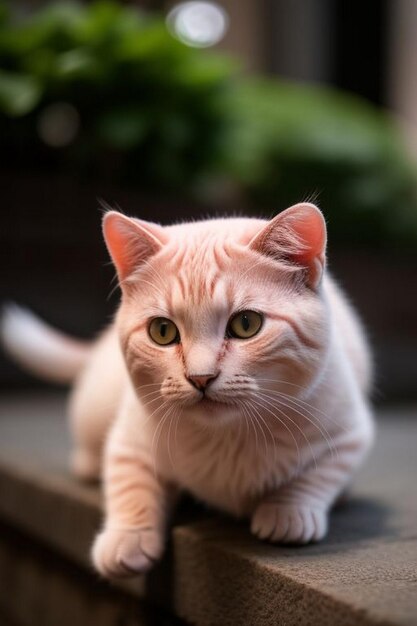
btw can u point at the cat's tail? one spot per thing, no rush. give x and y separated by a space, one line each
40 349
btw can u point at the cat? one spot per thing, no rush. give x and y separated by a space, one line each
235 369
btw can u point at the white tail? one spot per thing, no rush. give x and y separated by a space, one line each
39 348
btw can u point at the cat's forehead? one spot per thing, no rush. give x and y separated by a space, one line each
214 231
205 266
201 253
201 268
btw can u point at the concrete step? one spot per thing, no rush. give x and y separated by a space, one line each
214 573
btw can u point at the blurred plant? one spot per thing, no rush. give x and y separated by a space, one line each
150 109
104 90
294 142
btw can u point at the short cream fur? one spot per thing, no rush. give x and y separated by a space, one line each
269 427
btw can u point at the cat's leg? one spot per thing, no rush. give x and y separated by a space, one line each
85 464
137 505
298 512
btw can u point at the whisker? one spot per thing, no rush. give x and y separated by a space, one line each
157 434
176 430
310 406
277 380
173 413
299 400
286 426
240 424
114 280
247 425
175 416
246 420
148 417
326 435
266 425
250 408
148 385
151 393
149 402
250 422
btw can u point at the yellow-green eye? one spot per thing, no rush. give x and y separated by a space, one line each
163 331
244 325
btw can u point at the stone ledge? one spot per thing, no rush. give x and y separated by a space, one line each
46 589
214 572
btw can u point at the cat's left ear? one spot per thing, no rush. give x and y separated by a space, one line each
298 236
131 241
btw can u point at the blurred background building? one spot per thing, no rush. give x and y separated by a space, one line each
96 103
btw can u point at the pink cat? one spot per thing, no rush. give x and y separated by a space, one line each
235 369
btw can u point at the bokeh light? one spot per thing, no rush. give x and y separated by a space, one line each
198 24
58 124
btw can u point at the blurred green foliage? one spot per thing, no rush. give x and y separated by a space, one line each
162 116
295 142
150 108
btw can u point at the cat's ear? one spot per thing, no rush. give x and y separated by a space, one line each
296 236
131 241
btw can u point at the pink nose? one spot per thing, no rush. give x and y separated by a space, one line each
201 381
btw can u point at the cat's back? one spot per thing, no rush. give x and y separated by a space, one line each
349 332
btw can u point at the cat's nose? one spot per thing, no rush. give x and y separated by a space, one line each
201 381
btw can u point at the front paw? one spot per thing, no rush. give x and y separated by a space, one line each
121 552
289 523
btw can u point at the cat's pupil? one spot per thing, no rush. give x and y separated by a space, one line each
245 323
163 329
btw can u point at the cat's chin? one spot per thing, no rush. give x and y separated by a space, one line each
214 411
214 405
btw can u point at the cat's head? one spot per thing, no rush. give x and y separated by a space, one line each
217 314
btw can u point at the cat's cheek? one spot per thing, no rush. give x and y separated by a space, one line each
147 363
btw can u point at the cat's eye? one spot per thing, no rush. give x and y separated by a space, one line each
244 324
163 332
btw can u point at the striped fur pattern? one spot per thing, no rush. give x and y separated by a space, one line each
286 421
280 429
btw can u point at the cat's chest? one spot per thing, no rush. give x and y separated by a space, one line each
227 472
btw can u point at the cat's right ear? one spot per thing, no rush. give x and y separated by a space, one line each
131 242
296 236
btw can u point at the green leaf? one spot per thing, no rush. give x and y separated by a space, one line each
76 63
19 93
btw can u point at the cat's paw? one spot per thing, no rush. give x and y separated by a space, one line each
118 552
289 523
